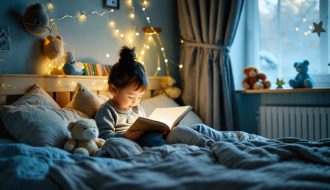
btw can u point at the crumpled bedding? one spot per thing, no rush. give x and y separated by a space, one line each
286 163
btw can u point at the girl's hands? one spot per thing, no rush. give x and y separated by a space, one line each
133 135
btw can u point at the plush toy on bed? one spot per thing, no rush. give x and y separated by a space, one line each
71 66
302 79
255 80
84 133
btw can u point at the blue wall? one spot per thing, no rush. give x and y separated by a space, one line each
90 40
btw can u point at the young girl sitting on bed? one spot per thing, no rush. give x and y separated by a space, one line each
127 84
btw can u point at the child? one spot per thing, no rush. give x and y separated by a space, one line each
127 84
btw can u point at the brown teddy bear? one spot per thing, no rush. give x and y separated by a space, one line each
254 80
53 47
84 137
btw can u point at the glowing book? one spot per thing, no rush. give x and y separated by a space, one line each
161 119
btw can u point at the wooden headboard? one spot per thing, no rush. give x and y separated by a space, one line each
61 87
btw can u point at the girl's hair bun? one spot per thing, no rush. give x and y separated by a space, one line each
127 54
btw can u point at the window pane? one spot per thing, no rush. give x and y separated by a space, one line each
286 36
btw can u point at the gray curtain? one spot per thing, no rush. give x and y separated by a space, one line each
208 28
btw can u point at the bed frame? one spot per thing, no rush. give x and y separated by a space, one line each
60 87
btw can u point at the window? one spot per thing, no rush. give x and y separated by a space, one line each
285 36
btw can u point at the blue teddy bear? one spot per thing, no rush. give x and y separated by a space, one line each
303 79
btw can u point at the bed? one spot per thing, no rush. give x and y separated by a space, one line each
36 109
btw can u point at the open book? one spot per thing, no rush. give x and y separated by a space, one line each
161 119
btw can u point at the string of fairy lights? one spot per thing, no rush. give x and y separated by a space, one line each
150 38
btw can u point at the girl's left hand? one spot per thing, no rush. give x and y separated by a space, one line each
133 135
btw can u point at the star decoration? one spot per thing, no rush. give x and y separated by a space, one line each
318 28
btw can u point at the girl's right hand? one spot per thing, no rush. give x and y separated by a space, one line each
133 135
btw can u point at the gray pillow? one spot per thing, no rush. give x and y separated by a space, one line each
86 101
36 96
119 148
37 125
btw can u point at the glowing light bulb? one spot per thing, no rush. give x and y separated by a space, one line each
297 29
82 17
137 34
132 15
149 38
181 41
165 60
143 9
305 33
159 68
117 30
148 18
50 6
180 66
121 35
112 24
142 52
147 46
162 48
107 55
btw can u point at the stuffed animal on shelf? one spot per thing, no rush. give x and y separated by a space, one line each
255 80
302 79
35 19
84 137
52 47
71 66
168 88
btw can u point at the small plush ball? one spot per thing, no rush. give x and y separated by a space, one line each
35 19
52 47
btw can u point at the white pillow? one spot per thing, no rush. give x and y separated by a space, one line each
163 101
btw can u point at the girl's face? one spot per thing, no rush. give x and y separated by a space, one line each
127 97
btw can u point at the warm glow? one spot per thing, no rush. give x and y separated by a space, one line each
50 6
112 24
82 17
166 60
132 15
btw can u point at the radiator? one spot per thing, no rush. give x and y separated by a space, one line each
312 123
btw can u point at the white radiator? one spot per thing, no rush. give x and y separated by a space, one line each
312 123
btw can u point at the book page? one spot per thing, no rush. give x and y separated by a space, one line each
170 116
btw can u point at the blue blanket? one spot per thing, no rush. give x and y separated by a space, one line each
286 163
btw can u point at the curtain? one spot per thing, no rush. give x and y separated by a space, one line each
208 28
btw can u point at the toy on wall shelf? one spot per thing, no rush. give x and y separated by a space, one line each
254 79
302 79
52 47
71 66
279 83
